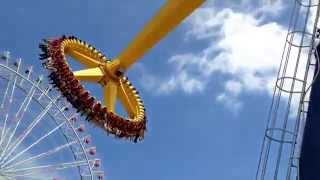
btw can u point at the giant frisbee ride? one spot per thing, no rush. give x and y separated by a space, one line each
110 73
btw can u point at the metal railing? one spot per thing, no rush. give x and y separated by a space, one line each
279 158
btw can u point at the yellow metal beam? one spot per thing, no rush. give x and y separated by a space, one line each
127 101
110 95
91 74
167 18
83 58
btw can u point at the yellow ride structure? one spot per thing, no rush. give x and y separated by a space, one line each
110 73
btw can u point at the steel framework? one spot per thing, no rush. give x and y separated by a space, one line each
281 146
40 136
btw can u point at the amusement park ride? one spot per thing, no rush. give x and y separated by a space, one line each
110 74
31 148
41 136
289 149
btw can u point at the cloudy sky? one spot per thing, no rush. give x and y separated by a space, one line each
207 86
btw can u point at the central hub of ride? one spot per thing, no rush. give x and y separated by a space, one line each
112 71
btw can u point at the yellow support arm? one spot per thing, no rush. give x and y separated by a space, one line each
83 58
110 95
126 101
91 74
168 17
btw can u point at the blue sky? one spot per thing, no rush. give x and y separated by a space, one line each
206 87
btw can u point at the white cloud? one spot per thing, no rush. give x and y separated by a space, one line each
183 81
229 98
234 87
239 45
204 26
242 46
272 7
230 102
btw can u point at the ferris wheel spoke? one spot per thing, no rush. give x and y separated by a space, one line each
33 144
5 111
29 72
8 176
4 133
6 91
10 103
27 131
10 100
28 175
110 95
44 154
15 81
19 115
99 174
60 166
90 75
24 105
45 92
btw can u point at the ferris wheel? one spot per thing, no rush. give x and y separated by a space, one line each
40 135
